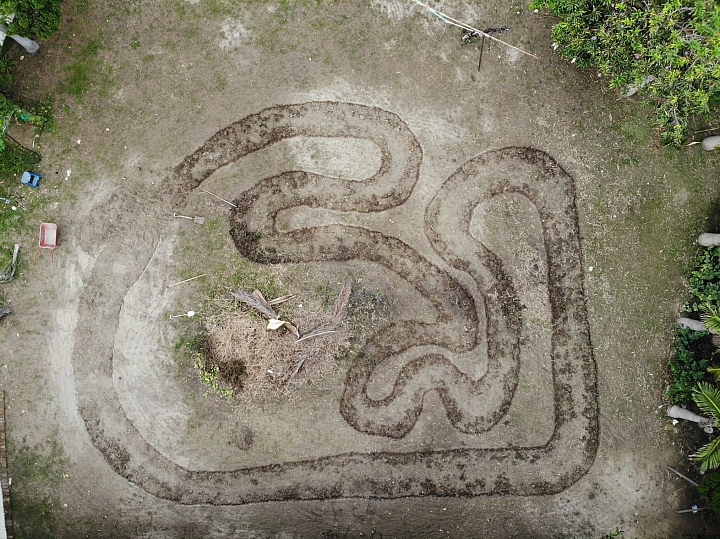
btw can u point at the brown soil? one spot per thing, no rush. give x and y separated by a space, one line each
354 141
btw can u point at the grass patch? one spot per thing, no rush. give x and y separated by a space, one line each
87 71
14 222
37 473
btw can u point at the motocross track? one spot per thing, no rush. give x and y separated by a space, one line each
496 400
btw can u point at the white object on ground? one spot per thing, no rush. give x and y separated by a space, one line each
189 314
690 323
710 143
679 412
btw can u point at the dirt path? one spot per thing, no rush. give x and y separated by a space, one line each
499 401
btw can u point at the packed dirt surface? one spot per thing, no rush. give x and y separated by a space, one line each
510 316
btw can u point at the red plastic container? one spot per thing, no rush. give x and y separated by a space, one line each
48 238
48 235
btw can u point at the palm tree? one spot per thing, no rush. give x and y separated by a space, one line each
711 318
707 398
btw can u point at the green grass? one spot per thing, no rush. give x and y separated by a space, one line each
37 473
14 223
87 71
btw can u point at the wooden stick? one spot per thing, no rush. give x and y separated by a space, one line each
186 280
482 48
693 510
281 299
221 198
693 483
455 22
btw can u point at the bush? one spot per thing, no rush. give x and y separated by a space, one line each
709 489
693 352
33 18
705 279
669 50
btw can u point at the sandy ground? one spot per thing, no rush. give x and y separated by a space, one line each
502 214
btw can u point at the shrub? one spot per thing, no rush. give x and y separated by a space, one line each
705 280
669 50
688 367
33 18
709 489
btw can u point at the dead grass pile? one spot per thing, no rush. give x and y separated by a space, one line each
261 364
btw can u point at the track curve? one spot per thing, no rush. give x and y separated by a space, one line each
525 471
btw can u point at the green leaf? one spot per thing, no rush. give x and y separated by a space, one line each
711 318
708 455
707 398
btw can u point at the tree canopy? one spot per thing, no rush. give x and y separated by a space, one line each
33 18
668 50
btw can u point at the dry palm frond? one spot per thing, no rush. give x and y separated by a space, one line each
4 310
8 273
327 329
281 299
256 301
339 314
341 304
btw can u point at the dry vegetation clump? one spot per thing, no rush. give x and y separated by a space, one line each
260 364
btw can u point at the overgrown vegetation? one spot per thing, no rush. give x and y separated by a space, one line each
39 19
33 18
669 51
688 366
707 398
705 280
709 489
695 352
691 370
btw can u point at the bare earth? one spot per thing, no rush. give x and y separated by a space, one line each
524 243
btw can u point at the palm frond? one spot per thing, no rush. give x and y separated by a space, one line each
341 304
707 398
715 371
708 455
711 318
257 301
327 329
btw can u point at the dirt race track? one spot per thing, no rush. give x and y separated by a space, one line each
502 215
